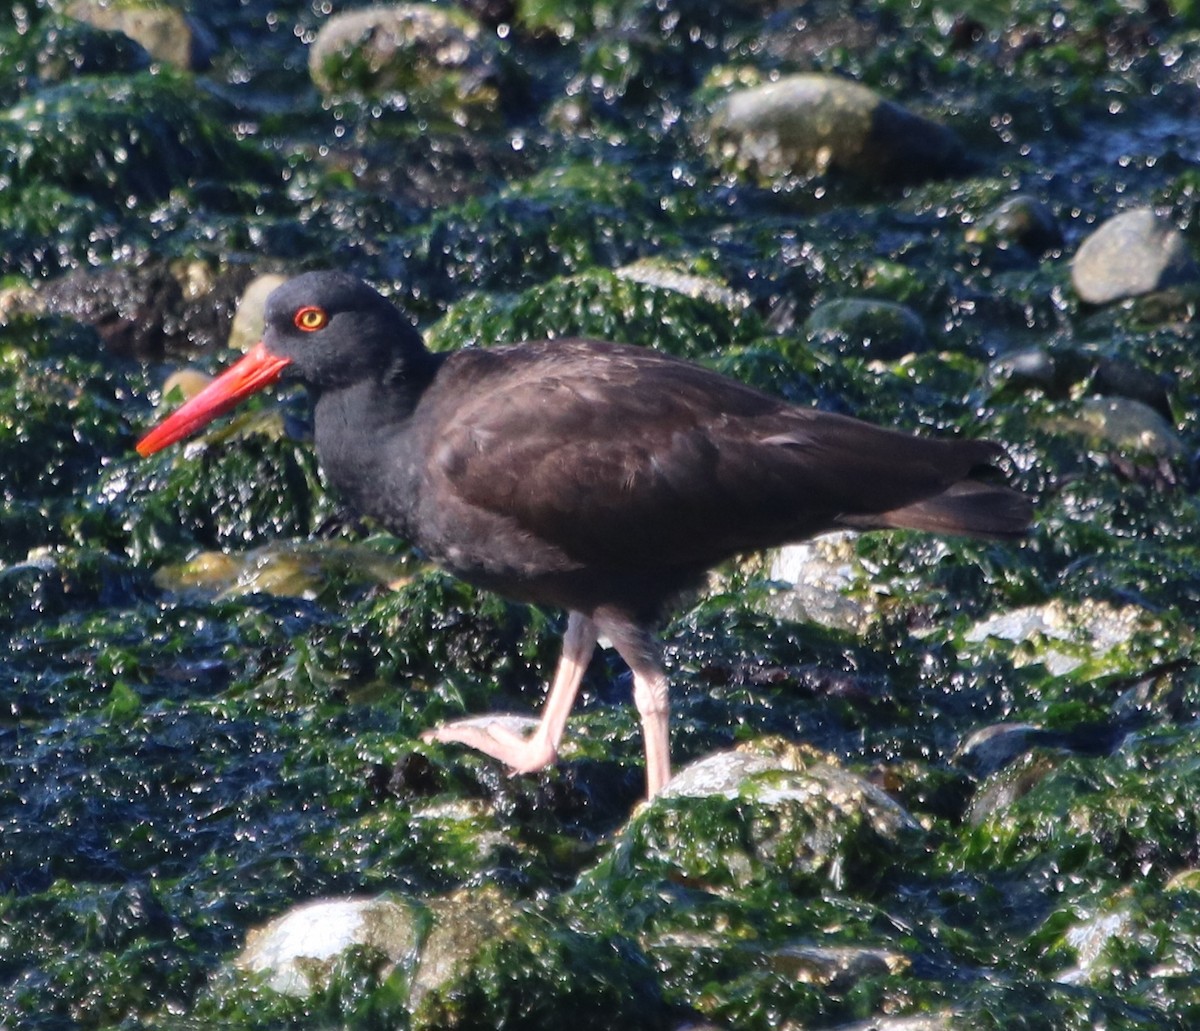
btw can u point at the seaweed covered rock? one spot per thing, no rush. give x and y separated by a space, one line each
433 61
464 960
789 131
63 417
871 328
603 305
83 161
758 814
264 486
120 140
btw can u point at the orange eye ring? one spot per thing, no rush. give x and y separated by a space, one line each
310 318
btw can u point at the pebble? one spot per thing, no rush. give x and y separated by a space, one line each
1132 254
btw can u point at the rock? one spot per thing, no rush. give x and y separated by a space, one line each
878 329
802 126
249 318
297 951
764 811
1011 784
821 572
432 59
167 34
183 384
1131 254
1129 426
147 310
1021 221
1063 636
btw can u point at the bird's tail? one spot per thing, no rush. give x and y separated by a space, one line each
970 507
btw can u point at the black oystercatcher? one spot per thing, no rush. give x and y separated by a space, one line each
601 478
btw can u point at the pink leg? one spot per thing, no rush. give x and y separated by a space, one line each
539 750
650 692
650 695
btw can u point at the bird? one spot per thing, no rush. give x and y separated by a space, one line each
603 479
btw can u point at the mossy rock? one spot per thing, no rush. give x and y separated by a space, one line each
601 305
435 61
121 140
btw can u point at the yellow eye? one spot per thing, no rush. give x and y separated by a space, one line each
311 318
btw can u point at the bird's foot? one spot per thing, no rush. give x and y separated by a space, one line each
499 736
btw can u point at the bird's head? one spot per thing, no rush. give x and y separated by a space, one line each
326 329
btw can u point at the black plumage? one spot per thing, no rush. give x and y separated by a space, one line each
598 477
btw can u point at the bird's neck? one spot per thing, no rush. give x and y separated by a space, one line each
363 439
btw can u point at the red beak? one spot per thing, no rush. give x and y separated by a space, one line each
259 368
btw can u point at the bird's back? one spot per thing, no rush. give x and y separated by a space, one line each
554 462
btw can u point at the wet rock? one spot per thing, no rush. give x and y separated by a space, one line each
136 309
1131 254
797 816
868 327
1033 368
1064 636
1056 371
298 950
167 34
1021 221
821 572
435 60
803 126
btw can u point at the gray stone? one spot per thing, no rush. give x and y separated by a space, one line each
1131 254
802 126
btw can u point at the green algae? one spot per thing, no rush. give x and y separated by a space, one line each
179 768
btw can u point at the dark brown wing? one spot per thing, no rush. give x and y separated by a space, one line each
622 456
